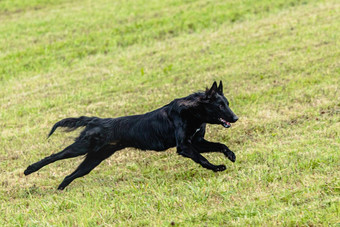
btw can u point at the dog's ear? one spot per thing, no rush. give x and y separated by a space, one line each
220 88
212 91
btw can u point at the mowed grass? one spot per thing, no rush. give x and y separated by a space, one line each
280 64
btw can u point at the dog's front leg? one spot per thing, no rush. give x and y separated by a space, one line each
185 149
204 146
189 152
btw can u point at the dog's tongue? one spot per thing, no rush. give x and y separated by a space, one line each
225 123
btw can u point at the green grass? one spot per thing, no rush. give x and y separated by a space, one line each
279 61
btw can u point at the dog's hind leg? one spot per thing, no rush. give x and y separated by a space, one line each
91 161
76 149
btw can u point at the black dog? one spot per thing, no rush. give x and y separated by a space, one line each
181 123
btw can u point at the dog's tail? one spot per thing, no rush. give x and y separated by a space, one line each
71 123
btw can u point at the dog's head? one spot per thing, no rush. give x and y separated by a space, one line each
217 107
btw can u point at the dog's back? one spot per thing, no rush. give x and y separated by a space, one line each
150 131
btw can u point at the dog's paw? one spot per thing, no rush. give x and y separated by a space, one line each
29 170
231 156
220 168
60 187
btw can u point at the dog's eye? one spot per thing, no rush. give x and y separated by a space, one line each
220 106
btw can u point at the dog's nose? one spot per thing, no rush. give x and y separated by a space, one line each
235 118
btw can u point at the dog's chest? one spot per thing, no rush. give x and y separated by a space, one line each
194 134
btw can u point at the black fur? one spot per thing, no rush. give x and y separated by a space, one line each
180 123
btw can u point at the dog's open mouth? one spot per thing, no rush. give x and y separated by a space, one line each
225 123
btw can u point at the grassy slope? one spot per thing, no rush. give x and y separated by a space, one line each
280 64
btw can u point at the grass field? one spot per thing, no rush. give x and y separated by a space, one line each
280 64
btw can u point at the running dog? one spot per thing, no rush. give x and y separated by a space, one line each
180 123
